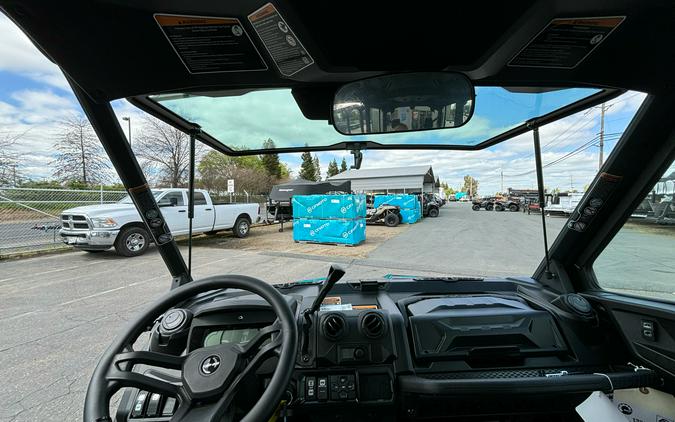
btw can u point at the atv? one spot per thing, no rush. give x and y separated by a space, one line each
389 215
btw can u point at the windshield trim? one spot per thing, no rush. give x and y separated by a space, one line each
161 112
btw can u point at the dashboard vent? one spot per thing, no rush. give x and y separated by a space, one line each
372 325
334 326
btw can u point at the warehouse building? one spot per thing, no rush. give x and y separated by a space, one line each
412 179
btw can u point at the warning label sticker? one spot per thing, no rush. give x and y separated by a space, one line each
564 43
286 50
208 44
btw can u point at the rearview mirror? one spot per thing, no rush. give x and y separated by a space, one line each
403 102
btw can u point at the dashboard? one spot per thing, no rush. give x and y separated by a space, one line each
412 349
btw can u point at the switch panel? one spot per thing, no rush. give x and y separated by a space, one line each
648 329
339 387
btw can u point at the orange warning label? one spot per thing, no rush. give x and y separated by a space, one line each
207 44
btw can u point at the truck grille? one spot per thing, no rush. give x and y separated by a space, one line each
74 222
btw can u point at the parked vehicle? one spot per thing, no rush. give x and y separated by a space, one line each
96 228
389 215
430 207
492 203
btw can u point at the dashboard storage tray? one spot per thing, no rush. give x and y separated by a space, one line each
481 327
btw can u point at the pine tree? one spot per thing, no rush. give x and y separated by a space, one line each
271 161
307 169
332 168
317 168
343 165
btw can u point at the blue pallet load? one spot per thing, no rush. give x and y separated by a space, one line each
329 219
329 206
411 210
348 232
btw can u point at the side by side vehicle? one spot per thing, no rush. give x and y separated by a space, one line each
412 332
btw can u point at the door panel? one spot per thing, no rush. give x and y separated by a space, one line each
204 214
175 216
648 328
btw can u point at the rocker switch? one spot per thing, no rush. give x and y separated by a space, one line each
648 330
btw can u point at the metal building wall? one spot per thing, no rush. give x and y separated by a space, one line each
409 183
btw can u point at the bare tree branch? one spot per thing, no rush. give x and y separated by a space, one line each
80 154
9 158
166 151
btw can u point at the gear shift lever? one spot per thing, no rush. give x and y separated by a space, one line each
334 275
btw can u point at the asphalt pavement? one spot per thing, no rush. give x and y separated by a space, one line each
59 312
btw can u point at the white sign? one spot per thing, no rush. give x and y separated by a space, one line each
230 185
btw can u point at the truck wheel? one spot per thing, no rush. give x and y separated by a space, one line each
433 212
132 241
513 208
499 207
391 220
241 227
475 207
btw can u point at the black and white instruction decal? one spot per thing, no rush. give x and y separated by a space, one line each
286 50
564 43
208 44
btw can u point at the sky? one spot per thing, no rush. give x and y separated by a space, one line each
34 96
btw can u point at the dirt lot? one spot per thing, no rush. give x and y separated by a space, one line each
268 238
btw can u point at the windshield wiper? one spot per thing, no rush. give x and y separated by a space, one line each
448 279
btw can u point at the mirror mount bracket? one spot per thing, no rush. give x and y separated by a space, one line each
355 150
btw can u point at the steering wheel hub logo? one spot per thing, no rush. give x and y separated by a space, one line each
210 365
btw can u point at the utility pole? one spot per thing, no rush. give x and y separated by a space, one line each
602 135
501 172
571 184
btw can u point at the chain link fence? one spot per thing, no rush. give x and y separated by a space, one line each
30 218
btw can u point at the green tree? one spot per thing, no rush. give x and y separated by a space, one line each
447 189
332 168
248 173
307 169
271 161
343 165
317 168
285 171
470 185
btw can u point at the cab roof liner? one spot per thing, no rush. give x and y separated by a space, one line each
116 49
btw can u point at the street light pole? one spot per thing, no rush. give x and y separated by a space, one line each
128 120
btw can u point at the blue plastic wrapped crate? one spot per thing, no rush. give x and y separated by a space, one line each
403 201
348 232
410 216
329 206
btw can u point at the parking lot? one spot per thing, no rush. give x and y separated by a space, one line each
59 312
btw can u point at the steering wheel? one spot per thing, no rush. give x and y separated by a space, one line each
210 376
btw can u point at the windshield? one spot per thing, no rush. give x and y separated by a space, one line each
237 121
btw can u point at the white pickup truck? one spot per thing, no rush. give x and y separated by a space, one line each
95 228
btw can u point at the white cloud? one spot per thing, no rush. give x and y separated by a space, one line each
19 55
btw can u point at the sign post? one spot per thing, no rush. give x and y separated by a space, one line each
230 188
